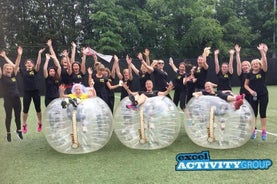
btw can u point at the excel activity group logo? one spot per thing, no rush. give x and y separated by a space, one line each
201 161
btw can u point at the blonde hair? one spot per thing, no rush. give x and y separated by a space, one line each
247 63
257 61
5 66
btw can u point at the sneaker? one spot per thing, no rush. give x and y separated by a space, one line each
63 104
132 99
19 135
132 107
9 137
39 127
254 134
264 135
24 129
238 103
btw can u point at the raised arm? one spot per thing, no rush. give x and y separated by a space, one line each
57 64
113 70
147 56
231 60
83 63
263 50
216 62
3 54
149 68
45 66
117 69
237 49
168 89
39 59
129 62
73 52
205 54
171 63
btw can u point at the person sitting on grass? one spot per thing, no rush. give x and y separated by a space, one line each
209 90
138 98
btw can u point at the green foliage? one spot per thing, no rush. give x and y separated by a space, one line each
179 28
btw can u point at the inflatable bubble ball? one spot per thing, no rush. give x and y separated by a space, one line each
214 123
154 125
74 127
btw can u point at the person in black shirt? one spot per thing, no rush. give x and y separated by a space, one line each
224 74
127 76
180 87
52 79
138 98
201 71
29 74
243 68
255 83
143 73
11 93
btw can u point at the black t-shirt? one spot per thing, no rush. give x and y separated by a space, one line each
124 93
149 94
242 78
10 86
77 78
224 81
257 82
178 81
160 79
51 87
100 87
143 77
65 78
201 75
30 79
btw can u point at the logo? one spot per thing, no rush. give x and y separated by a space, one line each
202 162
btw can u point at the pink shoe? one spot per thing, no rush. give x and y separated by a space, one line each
24 128
39 127
132 107
238 103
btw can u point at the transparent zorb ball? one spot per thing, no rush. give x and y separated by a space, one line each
156 124
214 123
75 130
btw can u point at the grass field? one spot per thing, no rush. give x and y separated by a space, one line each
34 161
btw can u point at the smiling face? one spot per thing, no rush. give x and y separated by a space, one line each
224 68
7 69
160 64
149 85
245 66
29 65
52 72
208 87
256 65
76 67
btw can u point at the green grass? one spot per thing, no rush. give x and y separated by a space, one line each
34 161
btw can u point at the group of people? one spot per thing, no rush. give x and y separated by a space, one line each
65 78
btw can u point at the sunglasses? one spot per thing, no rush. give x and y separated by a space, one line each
160 63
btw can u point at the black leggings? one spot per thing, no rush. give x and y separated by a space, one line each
261 104
180 96
28 95
11 103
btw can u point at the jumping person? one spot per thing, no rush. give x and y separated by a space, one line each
201 71
52 79
31 90
255 84
11 93
224 74
243 68
127 76
180 87
143 73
